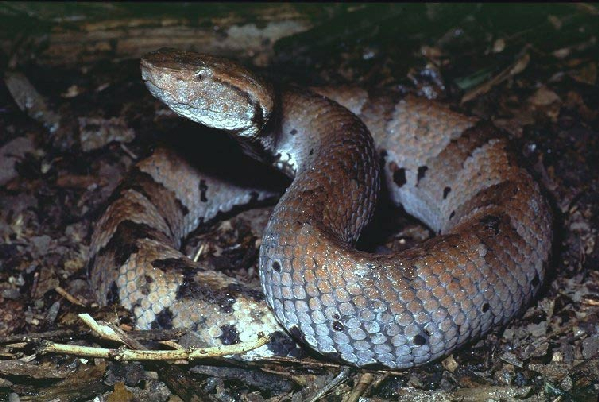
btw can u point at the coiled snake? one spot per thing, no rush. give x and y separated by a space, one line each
400 310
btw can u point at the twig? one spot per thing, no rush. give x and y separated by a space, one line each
32 336
103 330
516 68
68 296
342 376
123 353
110 332
363 382
131 154
199 252
136 350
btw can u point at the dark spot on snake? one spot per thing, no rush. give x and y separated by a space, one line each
336 316
123 242
293 131
229 335
332 356
276 266
194 290
297 334
535 281
164 319
200 324
451 215
338 326
420 340
486 307
179 264
282 345
146 185
446 192
144 287
471 139
237 290
399 176
311 151
422 172
183 208
225 302
112 297
203 188
491 222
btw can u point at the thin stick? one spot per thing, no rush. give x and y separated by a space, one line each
123 353
69 297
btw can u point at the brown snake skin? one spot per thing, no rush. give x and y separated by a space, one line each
397 310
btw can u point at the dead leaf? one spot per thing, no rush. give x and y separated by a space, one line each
586 74
499 45
120 394
10 154
544 97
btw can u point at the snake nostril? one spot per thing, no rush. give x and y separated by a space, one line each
276 266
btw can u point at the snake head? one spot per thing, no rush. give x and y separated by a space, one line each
209 90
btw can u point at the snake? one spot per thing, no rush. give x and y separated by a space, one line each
456 173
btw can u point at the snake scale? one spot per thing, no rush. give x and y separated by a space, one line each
398 310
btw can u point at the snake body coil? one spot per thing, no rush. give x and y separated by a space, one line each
398 310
